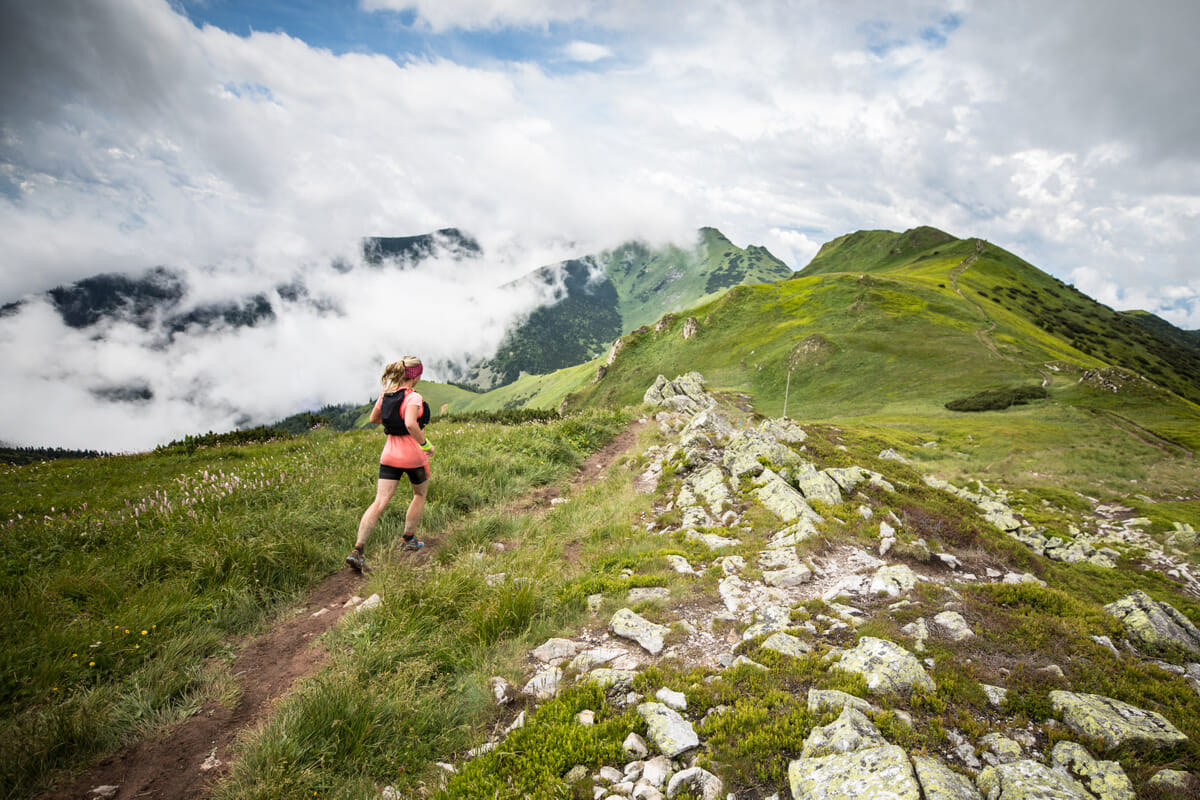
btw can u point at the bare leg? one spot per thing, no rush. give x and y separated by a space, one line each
413 518
370 518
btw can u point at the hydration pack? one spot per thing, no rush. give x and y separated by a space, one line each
393 419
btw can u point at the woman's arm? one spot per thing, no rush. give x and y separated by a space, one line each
377 411
412 412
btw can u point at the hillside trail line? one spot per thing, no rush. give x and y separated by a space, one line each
188 761
984 335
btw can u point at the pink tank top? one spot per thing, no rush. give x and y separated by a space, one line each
403 452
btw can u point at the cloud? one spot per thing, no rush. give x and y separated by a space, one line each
587 52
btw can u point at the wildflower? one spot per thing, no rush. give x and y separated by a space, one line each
91 663
145 632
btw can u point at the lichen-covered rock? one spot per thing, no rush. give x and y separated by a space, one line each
799 531
787 577
953 625
850 732
710 485
999 749
648 635
711 540
822 700
881 773
1028 780
545 684
1105 779
887 667
1113 722
893 580
685 394
1172 779
1154 624
817 487
939 782
918 631
847 477
697 782
784 430
787 644
671 734
768 619
778 496
747 450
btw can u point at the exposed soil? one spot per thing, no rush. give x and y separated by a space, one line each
187 762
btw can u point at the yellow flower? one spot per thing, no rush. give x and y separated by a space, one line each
144 633
91 663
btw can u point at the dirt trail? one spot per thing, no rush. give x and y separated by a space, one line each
172 767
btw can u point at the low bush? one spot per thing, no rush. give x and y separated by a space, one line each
998 399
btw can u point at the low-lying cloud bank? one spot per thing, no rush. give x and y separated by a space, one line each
139 377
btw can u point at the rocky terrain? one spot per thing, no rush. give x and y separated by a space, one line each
716 484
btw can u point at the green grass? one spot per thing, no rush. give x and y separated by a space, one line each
123 576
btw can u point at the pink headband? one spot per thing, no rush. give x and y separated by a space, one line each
413 371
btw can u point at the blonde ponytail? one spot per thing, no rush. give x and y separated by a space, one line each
402 371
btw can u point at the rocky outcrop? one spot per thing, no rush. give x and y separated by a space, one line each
880 772
1028 780
1113 722
1153 624
670 733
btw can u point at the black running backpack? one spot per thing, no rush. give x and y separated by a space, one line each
393 420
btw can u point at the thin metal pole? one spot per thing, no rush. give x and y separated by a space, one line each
786 390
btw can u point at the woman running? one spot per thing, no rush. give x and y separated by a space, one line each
402 412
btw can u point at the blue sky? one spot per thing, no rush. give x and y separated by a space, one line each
247 143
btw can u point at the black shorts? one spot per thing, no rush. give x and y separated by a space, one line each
416 475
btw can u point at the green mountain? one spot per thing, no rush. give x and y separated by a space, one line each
609 294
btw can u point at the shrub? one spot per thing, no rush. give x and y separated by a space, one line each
998 399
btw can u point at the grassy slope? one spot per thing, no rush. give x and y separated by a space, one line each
891 347
639 285
127 579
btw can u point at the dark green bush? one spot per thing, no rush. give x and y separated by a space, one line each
998 399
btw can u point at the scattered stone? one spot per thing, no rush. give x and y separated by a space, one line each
697 782
1030 780
576 774
648 635
788 577
374 601
743 661
545 684
711 540
917 631
1114 723
850 732
822 700
598 656
643 594
787 644
586 717
891 455
893 580
595 602
1000 749
680 565
555 651
996 695
670 733
1105 779
1170 779
881 772
108 790
503 691
887 667
635 746
1154 624
672 699
768 619
655 771
953 625
611 679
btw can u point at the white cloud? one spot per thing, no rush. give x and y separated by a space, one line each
587 52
